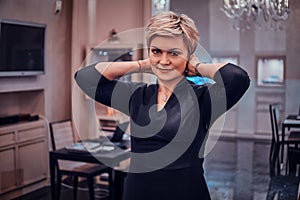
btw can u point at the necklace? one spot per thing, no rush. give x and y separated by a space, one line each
165 98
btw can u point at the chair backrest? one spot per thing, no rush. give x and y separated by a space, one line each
274 110
61 134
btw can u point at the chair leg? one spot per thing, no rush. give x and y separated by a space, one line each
75 186
274 160
278 158
58 185
272 150
288 159
91 188
271 158
110 184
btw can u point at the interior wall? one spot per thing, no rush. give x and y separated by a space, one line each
199 12
92 21
219 24
247 45
56 81
118 15
292 60
80 33
68 34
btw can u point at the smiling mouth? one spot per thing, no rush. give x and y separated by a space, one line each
163 69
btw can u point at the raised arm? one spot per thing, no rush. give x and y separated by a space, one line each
231 83
113 70
231 80
98 82
197 68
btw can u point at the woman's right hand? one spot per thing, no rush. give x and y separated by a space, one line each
145 66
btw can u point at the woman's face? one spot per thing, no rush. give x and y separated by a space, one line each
168 57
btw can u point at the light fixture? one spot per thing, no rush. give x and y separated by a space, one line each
272 13
160 6
58 6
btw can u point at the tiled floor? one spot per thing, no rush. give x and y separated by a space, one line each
239 170
234 170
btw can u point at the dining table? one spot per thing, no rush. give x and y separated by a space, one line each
291 121
111 158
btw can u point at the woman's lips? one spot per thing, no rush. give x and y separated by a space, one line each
163 69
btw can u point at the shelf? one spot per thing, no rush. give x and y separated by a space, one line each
21 90
31 101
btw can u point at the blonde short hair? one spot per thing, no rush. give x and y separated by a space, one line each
170 24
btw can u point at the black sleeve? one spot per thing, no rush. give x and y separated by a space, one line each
235 80
112 93
231 83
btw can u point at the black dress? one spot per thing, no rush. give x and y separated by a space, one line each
167 145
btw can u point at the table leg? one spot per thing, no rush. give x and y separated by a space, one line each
119 177
52 175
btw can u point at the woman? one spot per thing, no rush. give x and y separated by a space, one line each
170 119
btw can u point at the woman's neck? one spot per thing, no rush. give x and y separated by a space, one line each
168 86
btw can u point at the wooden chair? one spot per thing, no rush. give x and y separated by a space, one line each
293 138
62 136
275 144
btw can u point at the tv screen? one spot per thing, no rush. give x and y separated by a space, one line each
22 47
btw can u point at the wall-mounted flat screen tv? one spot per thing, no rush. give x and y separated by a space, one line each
22 48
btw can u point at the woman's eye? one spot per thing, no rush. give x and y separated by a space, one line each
174 53
156 51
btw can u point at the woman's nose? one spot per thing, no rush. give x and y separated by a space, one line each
164 59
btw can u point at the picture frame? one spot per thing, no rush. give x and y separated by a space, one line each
270 71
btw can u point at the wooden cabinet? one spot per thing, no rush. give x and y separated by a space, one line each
23 155
7 169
